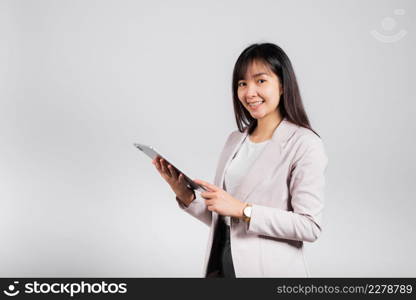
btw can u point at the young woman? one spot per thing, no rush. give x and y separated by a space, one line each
267 196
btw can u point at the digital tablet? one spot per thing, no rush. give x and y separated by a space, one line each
152 153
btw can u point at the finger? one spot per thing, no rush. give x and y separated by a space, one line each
157 163
208 185
161 173
209 202
208 194
170 170
173 172
167 168
161 170
182 180
163 167
211 207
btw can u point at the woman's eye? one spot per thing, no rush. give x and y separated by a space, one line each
241 83
261 80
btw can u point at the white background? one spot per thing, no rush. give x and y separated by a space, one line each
81 81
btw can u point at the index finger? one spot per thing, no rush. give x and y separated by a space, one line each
210 186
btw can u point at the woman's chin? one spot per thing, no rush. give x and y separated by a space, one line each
257 115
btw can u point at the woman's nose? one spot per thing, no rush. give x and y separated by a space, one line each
251 90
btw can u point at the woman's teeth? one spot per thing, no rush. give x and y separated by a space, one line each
254 104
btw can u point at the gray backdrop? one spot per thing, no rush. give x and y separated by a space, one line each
81 81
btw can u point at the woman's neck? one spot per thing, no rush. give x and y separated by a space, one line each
266 127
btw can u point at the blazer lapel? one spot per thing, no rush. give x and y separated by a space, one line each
226 157
266 162
227 154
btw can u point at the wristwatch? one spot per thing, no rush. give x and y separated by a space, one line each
247 213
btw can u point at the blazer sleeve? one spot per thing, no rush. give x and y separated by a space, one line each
306 189
197 209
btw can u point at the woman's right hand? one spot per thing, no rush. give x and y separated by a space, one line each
176 181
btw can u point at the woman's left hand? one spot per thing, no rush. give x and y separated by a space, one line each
218 200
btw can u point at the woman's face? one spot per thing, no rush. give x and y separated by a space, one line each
259 91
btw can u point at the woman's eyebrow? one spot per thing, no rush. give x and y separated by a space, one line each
258 74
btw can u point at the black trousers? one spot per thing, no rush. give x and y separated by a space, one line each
220 263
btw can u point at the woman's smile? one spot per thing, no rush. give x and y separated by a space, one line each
255 105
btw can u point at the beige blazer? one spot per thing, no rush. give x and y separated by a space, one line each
285 185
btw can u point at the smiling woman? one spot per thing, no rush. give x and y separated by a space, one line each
265 71
267 196
260 85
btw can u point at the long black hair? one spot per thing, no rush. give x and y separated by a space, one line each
290 104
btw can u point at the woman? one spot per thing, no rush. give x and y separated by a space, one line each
267 196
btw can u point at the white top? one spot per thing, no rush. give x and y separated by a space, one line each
240 165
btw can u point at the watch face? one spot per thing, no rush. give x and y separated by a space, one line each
247 211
